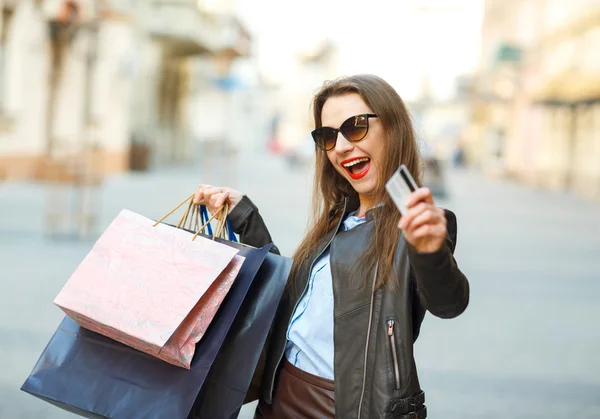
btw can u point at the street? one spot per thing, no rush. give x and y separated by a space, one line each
527 346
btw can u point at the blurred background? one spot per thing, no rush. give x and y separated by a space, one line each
108 104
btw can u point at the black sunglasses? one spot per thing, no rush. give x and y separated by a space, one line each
353 129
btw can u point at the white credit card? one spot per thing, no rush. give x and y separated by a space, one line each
400 186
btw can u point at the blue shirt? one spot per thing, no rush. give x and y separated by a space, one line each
310 332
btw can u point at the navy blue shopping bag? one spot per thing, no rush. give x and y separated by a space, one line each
231 374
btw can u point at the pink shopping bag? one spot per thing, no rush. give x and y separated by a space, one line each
152 288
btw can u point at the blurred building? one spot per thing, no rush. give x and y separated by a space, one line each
536 115
313 65
439 123
185 83
495 87
108 84
65 86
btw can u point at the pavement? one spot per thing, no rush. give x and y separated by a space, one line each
527 346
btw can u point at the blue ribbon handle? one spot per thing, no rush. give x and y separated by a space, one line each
232 237
204 218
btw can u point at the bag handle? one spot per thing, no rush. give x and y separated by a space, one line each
204 216
189 198
220 223
199 214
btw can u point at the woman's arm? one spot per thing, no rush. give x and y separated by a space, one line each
244 216
442 288
247 222
430 233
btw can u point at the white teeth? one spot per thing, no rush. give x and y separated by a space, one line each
353 162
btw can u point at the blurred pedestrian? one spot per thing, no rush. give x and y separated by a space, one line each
363 277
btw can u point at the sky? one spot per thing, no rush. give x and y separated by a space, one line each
400 40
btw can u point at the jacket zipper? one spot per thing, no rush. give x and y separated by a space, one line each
364 383
391 325
297 302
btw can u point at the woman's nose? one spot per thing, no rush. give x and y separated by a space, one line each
342 145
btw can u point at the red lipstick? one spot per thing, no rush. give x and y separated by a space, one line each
360 174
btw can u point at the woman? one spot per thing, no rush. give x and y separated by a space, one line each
364 276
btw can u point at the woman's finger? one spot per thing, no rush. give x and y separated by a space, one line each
209 193
428 216
216 201
221 199
199 195
413 212
428 230
421 194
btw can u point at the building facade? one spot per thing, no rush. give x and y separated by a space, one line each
105 84
539 92
65 88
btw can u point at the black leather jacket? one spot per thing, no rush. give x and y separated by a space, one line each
374 332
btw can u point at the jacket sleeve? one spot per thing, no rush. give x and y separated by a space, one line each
441 287
249 225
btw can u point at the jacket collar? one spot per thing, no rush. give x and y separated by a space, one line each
348 209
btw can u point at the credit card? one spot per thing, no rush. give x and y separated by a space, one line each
400 186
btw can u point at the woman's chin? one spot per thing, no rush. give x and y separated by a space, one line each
365 187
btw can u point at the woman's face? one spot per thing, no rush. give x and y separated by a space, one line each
356 161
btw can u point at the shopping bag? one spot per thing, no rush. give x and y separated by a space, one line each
96 377
151 286
230 376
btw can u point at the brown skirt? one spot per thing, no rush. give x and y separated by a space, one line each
299 395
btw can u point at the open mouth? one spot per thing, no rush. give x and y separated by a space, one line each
358 167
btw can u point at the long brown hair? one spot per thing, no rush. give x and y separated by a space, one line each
330 188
